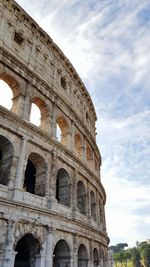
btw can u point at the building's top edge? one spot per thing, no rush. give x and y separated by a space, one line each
48 40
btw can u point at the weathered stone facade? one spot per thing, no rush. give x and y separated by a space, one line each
51 196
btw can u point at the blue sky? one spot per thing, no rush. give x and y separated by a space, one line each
108 42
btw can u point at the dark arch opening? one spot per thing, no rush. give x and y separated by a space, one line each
63 187
35 175
6 155
81 197
27 248
61 255
93 205
95 258
30 173
82 256
1 156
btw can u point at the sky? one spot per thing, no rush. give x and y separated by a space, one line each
108 43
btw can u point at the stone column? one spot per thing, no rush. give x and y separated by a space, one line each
90 262
9 253
75 251
53 120
19 172
49 246
52 192
26 110
88 204
104 219
72 137
40 259
97 208
47 185
74 194
83 149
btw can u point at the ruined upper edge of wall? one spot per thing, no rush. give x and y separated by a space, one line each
50 48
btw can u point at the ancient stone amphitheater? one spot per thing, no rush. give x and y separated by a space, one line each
51 196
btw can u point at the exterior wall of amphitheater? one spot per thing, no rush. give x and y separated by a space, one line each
51 196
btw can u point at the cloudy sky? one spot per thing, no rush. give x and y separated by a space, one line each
108 42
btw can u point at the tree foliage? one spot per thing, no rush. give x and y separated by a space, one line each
139 255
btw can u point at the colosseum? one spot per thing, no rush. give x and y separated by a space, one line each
51 196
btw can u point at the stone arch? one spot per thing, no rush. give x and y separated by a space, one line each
93 205
82 256
6 156
95 258
81 197
28 251
35 175
63 187
14 86
78 144
61 254
44 112
64 128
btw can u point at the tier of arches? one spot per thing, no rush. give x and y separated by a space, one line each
37 109
34 181
28 253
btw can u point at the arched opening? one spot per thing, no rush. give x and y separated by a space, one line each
6 155
6 95
10 99
63 130
78 145
35 175
28 252
82 256
95 258
35 116
93 205
61 255
63 187
58 133
81 197
39 113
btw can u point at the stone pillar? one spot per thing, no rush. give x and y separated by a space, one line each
74 194
72 137
19 172
52 190
53 121
49 247
90 263
104 219
12 177
75 251
40 259
9 253
26 110
88 204
47 185
97 208
83 149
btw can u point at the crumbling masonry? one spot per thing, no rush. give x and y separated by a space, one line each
51 196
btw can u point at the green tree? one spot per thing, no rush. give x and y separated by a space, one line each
145 255
135 257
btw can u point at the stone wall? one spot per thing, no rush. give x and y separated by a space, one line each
51 196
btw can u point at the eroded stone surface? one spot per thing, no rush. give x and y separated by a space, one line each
51 196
